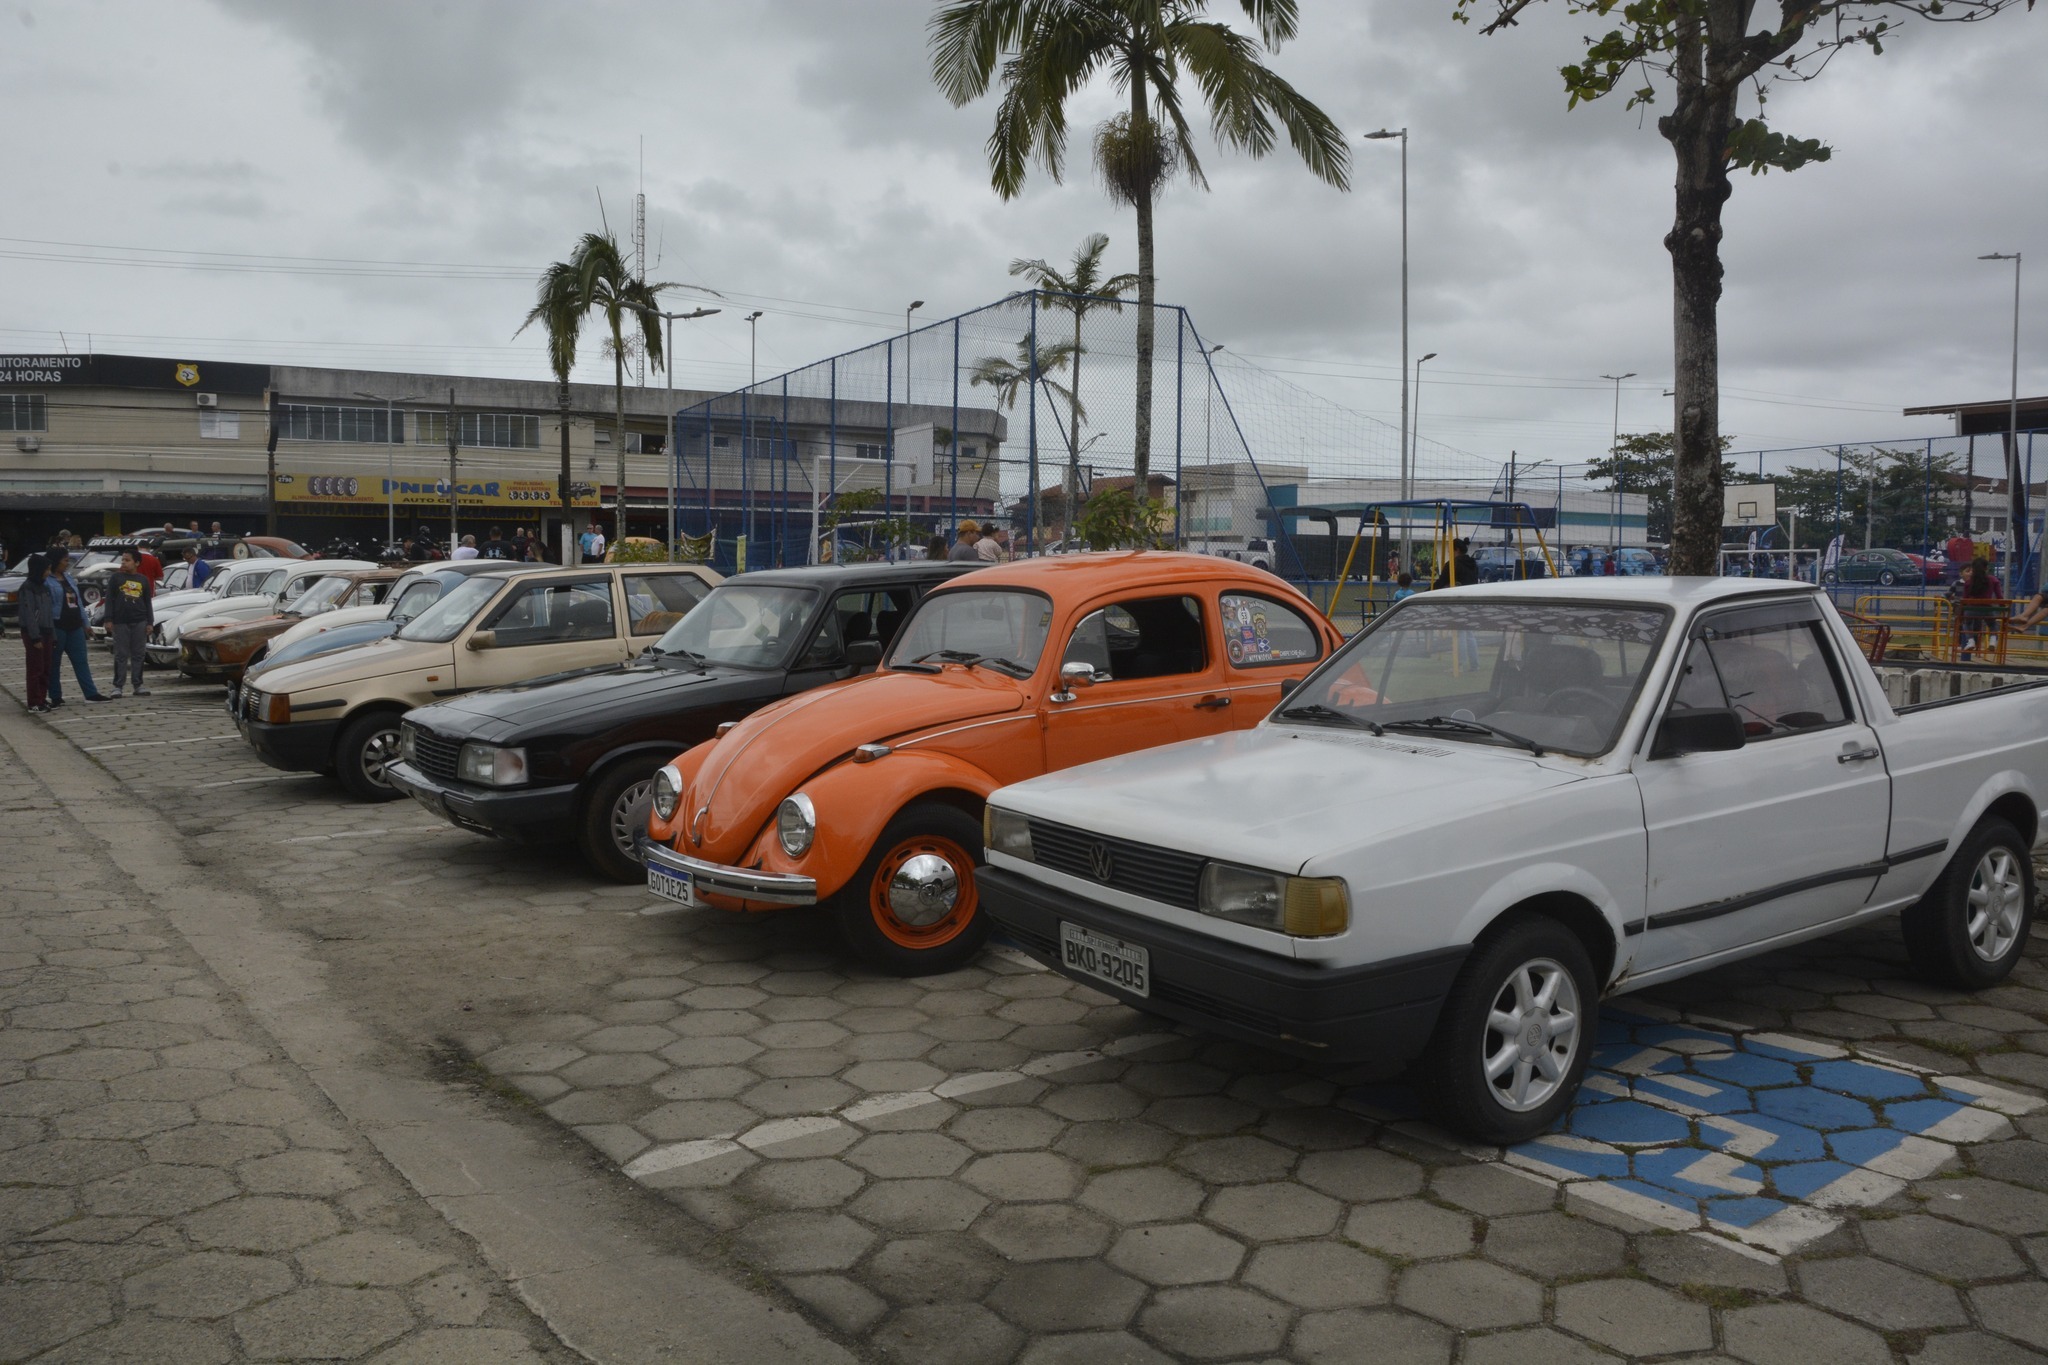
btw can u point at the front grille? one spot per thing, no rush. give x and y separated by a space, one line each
1159 874
434 755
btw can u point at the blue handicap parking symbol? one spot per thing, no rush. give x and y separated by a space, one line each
1750 1134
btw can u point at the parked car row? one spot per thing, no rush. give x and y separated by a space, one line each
1433 847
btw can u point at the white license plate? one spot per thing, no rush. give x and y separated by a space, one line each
671 886
1126 966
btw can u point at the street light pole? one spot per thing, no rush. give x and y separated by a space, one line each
1408 471
915 304
391 434
1614 445
1407 492
2015 486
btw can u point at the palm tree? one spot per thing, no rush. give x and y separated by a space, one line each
1049 49
1006 377
596 275
1080 292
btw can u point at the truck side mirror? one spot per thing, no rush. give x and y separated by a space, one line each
1706 731
483 639
864 655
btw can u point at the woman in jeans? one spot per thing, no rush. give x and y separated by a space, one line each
38 632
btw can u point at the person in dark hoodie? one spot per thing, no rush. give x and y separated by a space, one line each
131 607
38 632
68 604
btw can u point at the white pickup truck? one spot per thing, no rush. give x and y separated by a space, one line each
1500 804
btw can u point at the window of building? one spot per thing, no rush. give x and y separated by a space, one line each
479 430
361 426
645 442
215 425
23 412
862 451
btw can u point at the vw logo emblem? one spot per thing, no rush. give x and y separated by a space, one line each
1100 862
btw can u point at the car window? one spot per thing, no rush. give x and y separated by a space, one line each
856 617
1259 632
444 619
269 583
1149 637
552 612
654 602
1776 675
1007 625
369 594
417 597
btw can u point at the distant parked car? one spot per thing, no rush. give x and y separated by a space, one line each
1507 564
1884 567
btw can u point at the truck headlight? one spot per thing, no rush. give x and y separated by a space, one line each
274 708
1005 831
796 821
491 765
1304 907
668 792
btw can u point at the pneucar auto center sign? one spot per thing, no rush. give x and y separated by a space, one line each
375 490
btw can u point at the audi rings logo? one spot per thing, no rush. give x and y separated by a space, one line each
332 486
1100 862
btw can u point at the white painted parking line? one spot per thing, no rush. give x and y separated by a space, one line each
257 781
371 833
157 743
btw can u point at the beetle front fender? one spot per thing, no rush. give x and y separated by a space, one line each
855 802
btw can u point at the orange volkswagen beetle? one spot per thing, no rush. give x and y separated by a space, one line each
866 796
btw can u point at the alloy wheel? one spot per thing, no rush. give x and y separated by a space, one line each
1532 1035
1996 904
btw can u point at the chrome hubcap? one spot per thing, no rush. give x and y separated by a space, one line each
1996 906
625 833
379 754
924 890
1532 1035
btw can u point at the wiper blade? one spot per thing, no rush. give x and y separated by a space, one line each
968 659
1316 711
1477 727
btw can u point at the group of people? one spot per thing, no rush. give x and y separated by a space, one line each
51 613
972 544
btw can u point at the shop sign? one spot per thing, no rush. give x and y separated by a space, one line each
374 490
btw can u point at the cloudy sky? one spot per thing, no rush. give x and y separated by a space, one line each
377 183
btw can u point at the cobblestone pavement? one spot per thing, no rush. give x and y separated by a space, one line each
1002 1165
171 1190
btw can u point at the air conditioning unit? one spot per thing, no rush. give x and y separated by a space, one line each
28 444
208 400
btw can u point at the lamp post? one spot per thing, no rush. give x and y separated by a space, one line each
1408 464
1613 445
391 440
1383 135
668 440
915 304
2015 486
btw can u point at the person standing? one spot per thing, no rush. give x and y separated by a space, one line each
935 548
1462 571
494 546
131 606
152 568
964 543
591 543
197 570
466 550
994 547
38 632
67 604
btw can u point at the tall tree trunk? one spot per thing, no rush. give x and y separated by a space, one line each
619 435
1698 129
1070 507
568 499
1141 427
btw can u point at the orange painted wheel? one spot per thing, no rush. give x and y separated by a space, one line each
913 908
922 891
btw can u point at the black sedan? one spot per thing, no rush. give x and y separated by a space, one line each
575 756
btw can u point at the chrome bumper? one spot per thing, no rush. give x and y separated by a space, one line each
773 888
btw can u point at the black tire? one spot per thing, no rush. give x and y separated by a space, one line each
1966 931
869 918
367 745
1464 1098
605 833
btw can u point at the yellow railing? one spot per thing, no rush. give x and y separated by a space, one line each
1944 630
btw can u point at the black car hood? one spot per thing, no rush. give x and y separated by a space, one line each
621 693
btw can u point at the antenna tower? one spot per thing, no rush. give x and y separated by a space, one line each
640 251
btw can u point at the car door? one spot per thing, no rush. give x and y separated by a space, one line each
1156 680
1264 640
549 625
1787 832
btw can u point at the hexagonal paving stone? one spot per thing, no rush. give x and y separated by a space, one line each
1989 1204
705 1083
1043 1232
1794 1334
797 1095
1409 1227
1146 1194
159 1191
1066 1296
1879 1294
1176 1253
1271 1213
1470 1294
261 1223
1942 1248
614 1068
797 1242
1212 1322
688 1120
1012 1128
35 1317
1552 1245
213 1144
1024 1176
1092 1103
918 1205
1360 1175
207 1284
1092 1348
1533 1346
903 1155
947 1334
1492 1190
627 1038
374 1258
1121 1142
1381 1337
323 1323
2018 1310
299 1172
932 1269
1634 1318
1319 1275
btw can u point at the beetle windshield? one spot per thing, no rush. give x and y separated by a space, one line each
444 620
1005 627
323 594
1537 675
745 625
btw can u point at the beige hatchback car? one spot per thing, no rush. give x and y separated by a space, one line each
339 712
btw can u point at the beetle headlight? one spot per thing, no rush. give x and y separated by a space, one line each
1005 831
491 765
1304 907
796 822
668 792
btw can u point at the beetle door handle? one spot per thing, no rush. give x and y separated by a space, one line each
1212 703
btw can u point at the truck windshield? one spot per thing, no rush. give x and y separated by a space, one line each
1537 675
444 620
744 625
1004 627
